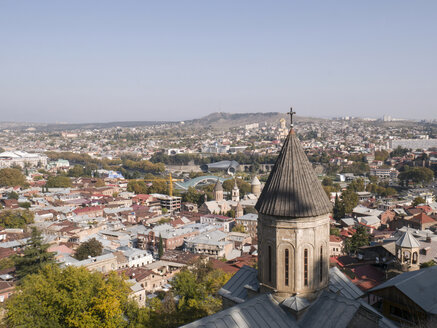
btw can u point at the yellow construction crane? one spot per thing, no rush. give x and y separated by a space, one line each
170 181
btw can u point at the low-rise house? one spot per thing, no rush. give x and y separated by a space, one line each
92 211
336 246
212 243
224 222
421 221
250 223
136 257
410 298
104 263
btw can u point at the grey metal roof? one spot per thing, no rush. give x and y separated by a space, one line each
420 286
335 311
292 189
296 303
259 312
330 310
340 284
407 240
235 289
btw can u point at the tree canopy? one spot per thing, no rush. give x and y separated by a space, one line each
359 239
349 199
418 200
92 248
10 177
243 186
416 175
59 181
69 297
35 256
15 218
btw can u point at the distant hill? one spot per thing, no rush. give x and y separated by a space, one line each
218 120
222 120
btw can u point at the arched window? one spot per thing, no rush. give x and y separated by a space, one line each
270 263
415 258
321 264
305 267
286 260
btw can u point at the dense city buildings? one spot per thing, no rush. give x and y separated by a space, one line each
323 214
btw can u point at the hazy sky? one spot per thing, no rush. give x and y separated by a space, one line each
100 61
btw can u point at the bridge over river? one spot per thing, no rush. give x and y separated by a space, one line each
207 179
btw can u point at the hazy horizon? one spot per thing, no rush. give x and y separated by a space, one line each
110 61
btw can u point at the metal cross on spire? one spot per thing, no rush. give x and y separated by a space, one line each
291 113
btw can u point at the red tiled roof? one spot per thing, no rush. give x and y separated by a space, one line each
334 239
88 209
422 218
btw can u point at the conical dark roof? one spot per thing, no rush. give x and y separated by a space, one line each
292 189
218 186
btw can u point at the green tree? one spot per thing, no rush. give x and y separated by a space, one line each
193 196
13 195
243 186
71 297
137 186
399 152
416 175
381 155
417 201
427 264
76 171
59 181
356 185
10 177
359 239
160 247
35 256
92 248
349 199
239 228
334 231
197 290
16 218
339 209
327 181
100 183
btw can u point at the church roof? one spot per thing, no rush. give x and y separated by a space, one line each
293 189
407 240
259 312
336 308
218 186
255 181
236 288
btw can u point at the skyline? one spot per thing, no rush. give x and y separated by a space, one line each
104 62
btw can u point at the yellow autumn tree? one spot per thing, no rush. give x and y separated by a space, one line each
69 297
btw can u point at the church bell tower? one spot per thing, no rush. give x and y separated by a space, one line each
293 226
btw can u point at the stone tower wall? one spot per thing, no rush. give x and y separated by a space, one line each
296 235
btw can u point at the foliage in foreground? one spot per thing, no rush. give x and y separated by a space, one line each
70 297
74 297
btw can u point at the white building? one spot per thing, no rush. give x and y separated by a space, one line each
22 159
136 257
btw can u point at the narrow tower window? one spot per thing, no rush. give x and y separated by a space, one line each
321 264
270 263
286 266
305 267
